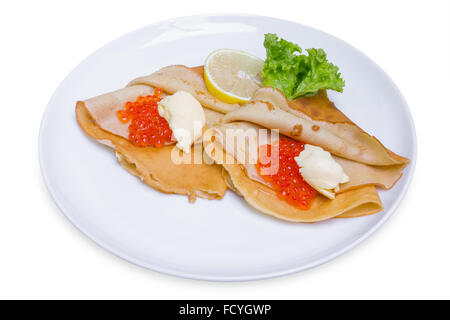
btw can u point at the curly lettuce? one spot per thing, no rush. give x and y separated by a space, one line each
297 74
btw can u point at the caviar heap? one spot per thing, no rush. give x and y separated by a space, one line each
147 127
287 181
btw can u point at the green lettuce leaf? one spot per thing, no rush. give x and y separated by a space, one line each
297 74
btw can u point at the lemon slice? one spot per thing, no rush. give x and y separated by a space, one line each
232 75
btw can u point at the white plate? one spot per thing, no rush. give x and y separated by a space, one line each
214 240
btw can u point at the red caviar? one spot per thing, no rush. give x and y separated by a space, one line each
287 181
147 127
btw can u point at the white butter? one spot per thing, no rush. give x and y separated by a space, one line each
185 116
319 169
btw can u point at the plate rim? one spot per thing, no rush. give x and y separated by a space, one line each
199 276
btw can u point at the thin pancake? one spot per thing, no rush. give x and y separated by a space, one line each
357 202
154 166
317 121
360 174
103 109
174 78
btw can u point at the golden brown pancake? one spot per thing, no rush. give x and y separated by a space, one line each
360 174
174 78
97 117
315 120
352 203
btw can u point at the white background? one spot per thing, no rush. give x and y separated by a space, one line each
43 256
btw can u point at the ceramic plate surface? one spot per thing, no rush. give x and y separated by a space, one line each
222 240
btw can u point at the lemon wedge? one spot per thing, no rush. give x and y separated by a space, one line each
232 75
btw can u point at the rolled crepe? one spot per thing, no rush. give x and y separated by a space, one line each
175 78
154 166
315 120
357 202
360 174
